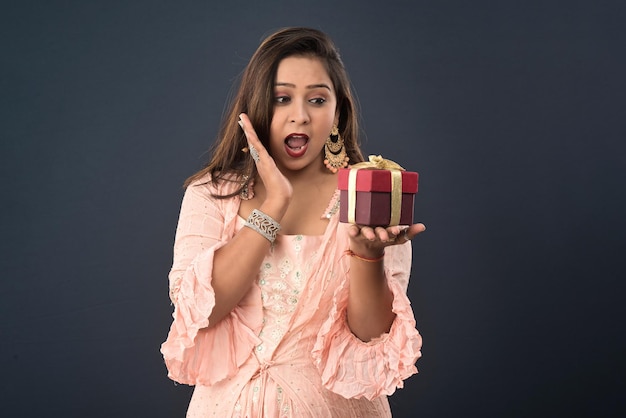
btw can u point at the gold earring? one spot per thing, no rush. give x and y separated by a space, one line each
335 151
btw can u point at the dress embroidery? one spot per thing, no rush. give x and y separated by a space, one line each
281 281
333 206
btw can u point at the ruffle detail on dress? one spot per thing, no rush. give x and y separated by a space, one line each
195 354
353 368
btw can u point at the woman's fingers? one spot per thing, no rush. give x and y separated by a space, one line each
392 235
255 147
413 230
264 162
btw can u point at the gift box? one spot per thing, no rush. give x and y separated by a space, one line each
377 193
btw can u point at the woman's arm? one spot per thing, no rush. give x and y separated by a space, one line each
369 303
237 263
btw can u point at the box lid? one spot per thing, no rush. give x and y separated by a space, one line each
374 180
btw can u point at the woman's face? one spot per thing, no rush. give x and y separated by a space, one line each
304 112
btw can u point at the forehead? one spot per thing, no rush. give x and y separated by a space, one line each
302 71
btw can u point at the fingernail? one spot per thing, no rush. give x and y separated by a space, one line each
240 123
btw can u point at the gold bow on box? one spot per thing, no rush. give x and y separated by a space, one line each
378 163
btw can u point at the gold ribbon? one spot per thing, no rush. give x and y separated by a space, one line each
379 163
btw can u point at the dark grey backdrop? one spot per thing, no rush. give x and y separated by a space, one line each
511 111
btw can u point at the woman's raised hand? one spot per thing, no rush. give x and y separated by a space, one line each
278 188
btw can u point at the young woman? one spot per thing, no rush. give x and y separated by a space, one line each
279 309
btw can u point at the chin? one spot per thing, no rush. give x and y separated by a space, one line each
295 166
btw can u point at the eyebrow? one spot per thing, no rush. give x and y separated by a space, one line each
311 86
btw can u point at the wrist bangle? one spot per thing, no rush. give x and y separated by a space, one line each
369 260
263 224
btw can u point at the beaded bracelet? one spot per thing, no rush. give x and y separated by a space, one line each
369 260
263 224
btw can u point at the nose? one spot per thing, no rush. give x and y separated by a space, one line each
299 113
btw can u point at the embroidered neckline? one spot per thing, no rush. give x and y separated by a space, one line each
333 206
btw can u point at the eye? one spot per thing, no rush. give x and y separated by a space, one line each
282 99
318 101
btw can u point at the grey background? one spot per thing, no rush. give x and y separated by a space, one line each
512 112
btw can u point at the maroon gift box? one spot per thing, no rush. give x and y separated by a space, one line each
373 196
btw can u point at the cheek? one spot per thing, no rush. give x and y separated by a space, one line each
329 122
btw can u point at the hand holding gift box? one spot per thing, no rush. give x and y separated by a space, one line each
377 193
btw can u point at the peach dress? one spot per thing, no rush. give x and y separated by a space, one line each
285 350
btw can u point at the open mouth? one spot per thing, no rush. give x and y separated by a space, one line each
296 144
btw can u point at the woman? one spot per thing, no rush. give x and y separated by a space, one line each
309 322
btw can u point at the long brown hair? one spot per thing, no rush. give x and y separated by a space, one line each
255 97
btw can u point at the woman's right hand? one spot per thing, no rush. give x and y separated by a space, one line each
278 189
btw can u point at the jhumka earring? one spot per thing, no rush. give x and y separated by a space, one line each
335 152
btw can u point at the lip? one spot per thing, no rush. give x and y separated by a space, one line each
300 151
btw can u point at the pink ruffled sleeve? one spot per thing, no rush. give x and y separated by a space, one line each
193 353
355 369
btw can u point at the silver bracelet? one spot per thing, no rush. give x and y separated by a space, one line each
263 224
